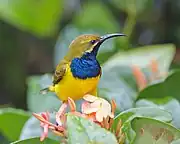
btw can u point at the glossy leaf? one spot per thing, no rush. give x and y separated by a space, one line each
176 141
151 112
111 86
12 122
168 103
36 140
169 87
127 116
142 57
38 102
153 131
83 131
38 17
117 80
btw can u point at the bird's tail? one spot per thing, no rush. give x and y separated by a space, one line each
46 90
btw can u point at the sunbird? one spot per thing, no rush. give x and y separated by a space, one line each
79 72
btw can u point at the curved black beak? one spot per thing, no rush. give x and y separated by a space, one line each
108 36
105 37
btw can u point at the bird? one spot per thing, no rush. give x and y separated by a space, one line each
79 72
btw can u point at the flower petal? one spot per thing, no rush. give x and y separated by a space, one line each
139 76
90 98
45 115
58 133
72 104
99 115
45 133
106 105
86 108
154 66
38 116
92 117
97 103
78 114
113 106
61 113
106 109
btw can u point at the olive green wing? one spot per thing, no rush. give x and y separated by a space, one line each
59 72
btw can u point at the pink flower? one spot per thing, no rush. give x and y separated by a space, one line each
98 107
44 122
94 108
44 118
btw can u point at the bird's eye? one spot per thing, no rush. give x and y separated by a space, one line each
93 42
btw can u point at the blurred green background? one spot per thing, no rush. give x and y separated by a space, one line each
35 34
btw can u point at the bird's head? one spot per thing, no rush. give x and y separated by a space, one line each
88 44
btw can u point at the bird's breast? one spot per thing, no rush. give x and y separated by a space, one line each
75 87
85 67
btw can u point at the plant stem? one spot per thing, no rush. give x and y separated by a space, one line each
128 26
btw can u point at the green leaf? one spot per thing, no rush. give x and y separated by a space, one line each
83 131
38 102
92 11
127 116
38 17
151 112
142 57
117 80
151 131
169 87
111 86
167 103
36 140
12 121
176 142
163 95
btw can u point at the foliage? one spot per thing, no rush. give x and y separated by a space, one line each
50 101
12 122
169 87
41 19
154 131
35 140
88 131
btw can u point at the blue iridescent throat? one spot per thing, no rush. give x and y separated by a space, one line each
85 67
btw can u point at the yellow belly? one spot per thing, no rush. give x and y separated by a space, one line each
74 87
